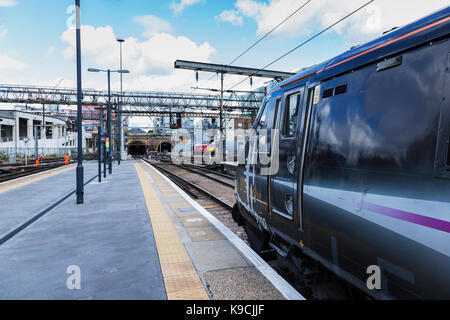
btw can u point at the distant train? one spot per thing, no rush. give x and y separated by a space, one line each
363 182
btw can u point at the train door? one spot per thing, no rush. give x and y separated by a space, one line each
283 184
250 167
263 151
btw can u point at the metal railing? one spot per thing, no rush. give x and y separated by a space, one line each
49 152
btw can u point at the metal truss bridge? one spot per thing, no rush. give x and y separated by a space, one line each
136 103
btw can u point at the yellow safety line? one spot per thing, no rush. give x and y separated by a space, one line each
14 184
180 277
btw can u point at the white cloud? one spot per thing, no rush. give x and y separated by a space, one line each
8 3
94 41
379 16
152 25
179 7
3 31
50 51
231 16
151 61
8 63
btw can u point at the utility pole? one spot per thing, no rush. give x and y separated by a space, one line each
80 169
36 143
222 120
43 122
103 146
109 122
99 145
109 112
120 105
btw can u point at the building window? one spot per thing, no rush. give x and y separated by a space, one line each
48 130
23 128
6 133
37 124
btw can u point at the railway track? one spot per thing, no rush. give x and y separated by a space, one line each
10 172
28 171
201 168
205 191
43 161
218 177
189 185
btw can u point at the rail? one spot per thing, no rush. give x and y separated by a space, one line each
172 176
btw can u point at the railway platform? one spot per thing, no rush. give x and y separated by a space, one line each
137 236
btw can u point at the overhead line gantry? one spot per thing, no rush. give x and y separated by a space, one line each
138 103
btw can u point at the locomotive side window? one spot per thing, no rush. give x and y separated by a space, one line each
291 114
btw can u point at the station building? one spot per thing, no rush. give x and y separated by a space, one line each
17 133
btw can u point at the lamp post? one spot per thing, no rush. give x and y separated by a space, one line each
99 148
109 120
26 140
103 132
120 105
108 125
100 144
80 169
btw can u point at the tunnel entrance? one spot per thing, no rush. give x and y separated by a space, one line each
137 148
165 147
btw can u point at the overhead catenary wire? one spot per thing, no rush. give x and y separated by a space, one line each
307 41
267 34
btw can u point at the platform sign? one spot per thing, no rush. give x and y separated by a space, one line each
107 144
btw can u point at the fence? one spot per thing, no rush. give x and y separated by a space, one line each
20 153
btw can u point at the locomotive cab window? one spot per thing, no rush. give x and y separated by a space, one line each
262 122
267 121
261 116
291 115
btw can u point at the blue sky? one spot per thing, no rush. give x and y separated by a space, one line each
33 26
36 46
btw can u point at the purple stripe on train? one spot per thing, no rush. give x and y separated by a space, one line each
410 217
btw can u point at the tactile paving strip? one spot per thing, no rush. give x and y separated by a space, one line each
180 277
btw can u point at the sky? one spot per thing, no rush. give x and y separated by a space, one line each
37 37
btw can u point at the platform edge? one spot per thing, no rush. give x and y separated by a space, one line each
277 281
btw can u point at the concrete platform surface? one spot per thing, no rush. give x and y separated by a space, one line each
109 238
137 236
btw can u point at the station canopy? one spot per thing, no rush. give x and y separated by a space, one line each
220 68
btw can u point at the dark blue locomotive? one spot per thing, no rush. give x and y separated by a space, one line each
363 176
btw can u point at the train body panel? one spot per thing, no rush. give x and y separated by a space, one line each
364 162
